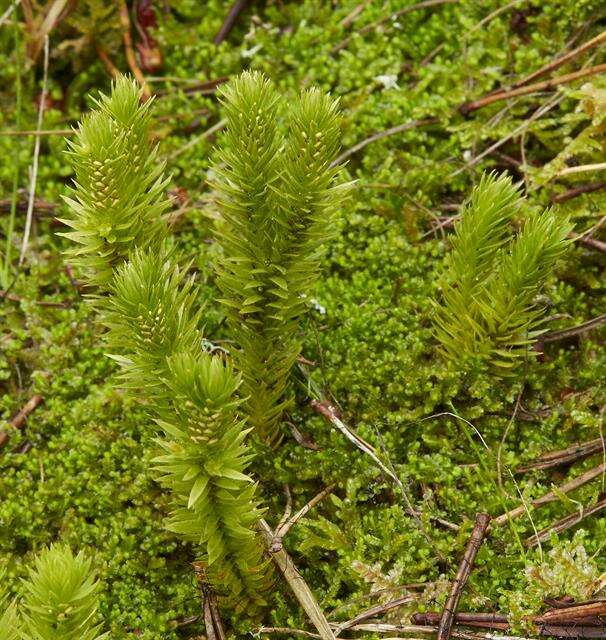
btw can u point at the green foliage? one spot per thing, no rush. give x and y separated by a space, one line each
118 200
154 328
87 478
488 313
584 130
9 621
154 334
151 314
90 26
567 570
61 598
278 198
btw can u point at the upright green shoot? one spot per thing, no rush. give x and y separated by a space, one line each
278 196
148 303
488 314
9 621
61 598
118 199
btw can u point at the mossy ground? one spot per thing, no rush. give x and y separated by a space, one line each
83 474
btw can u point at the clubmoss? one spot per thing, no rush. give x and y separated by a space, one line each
369 329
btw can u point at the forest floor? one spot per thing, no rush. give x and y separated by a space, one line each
418 132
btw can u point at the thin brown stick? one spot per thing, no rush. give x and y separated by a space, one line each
230 20
5 295
294 579
40 206
539 113
565 523
382 134
351 17
486 620
208 618
577 191
573 613
207 87
288 508
18 420
374 612
581 168
382 627
194 141
563 456
110 67
216 617
283 529
286 631
35 132
129 50
564 334
552 496
546 85
212 619
393 16
463 573
303 439
576 628
571 631
562 60
7 14
591 242
328 412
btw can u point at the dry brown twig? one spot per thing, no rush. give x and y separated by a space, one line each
129 50
573 628
40 21
288 508
591 242
230 20
34 132
562 60
563 456
570 332
289 521
552 496
539 113
390 18
565 523
463 573
351 17
111 68
577 191
9 11
380 135
375 611
18 420
210 611
581 168
545 85
328 412
573 613
34 168
298 586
